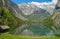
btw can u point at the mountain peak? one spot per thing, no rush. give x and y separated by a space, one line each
30 7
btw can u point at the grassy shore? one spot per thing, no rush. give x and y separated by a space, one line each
8 36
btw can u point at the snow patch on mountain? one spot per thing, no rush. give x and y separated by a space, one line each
29 7
49 6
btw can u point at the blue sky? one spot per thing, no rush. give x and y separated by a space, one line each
26 1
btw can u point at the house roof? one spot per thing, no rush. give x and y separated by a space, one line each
4 27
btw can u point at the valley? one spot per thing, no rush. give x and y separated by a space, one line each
29 20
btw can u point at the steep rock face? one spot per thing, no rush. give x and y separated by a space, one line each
57 13
57 18
57 22
12 7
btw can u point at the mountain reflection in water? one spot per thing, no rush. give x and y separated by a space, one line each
33 30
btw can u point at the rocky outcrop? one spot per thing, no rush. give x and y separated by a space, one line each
57 18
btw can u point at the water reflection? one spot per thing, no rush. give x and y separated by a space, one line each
33 30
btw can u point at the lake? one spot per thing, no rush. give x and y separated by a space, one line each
33 30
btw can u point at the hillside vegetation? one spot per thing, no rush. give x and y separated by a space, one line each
8 18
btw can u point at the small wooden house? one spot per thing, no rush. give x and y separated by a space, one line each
4 29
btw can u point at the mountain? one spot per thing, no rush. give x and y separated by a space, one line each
12 7
49 6
9 14
33 12
56 18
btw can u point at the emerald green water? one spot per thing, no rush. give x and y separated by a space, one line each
33 29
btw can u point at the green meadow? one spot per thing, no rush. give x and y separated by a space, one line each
8 36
